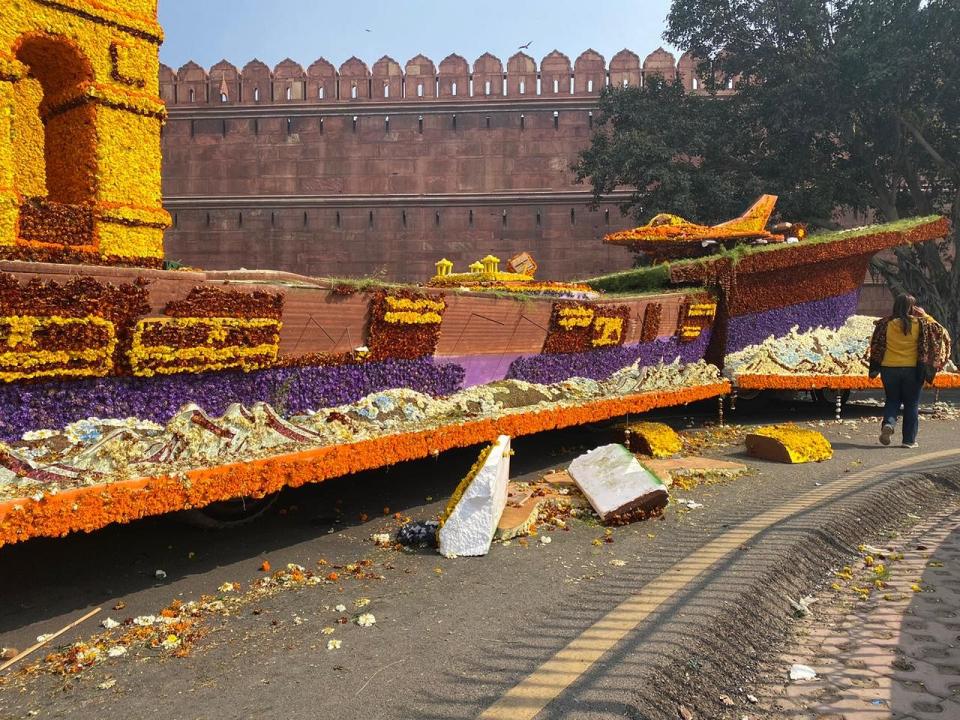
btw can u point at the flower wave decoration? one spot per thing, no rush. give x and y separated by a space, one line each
93 507
601 363
817 351
753 328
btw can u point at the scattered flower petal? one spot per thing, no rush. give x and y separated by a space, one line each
366 620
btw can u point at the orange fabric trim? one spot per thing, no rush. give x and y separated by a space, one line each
91 508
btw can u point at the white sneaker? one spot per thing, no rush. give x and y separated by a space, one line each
911 445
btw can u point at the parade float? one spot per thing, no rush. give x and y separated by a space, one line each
130 390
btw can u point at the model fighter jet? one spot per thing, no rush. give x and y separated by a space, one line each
670 236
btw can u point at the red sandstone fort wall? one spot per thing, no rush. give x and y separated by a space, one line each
357 171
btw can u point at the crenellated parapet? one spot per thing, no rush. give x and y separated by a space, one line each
421 79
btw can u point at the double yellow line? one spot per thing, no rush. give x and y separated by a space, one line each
526 699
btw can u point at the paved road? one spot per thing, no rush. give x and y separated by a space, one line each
452 636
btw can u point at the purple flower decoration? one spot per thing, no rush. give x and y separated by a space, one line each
601 364
30 406
831 312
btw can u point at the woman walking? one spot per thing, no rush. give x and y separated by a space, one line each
907 349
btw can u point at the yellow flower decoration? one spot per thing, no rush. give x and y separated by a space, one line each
655 439
80 121
215 352
789 443
27 359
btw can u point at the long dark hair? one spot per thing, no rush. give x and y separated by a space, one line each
902 308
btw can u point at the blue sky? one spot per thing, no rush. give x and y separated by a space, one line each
239 30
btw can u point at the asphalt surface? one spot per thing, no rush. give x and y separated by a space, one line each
451 635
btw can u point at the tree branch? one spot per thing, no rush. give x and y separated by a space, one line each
931 151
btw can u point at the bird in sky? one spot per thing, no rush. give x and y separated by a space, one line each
525 47
367 30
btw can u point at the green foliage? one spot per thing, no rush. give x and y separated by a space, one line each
646 279
848 104
664 144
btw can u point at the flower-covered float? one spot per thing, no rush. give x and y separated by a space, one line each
785 307
820 357
129 390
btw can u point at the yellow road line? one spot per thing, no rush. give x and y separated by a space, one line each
526 699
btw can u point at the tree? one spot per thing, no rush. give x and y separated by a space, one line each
661 142
843 104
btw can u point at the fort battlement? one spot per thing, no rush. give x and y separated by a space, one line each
353 171
420 79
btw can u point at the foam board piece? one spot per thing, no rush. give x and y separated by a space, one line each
470 527
671 468
616 484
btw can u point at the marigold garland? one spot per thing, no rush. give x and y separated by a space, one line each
833 382
91 508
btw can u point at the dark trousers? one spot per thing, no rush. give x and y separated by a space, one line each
902 386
